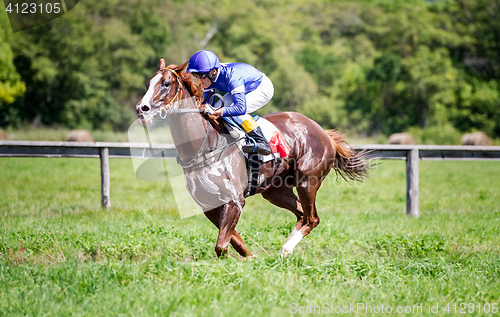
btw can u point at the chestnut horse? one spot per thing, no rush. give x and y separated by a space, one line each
313 153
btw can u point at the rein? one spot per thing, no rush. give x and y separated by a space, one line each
165 110
197 159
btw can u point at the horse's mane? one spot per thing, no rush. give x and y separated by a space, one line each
194 89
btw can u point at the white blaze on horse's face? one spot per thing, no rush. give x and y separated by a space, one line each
158 89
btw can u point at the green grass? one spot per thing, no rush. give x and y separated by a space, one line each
60 254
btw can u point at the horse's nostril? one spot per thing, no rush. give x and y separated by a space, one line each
145 108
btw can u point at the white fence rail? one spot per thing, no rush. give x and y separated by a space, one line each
105 150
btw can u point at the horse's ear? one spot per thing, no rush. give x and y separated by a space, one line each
162 63
180 68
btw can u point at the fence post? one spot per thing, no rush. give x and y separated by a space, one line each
412 158
104 156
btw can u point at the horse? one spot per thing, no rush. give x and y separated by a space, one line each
313 153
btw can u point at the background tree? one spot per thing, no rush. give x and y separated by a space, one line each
11 85
364 66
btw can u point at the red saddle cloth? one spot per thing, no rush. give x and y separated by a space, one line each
278 145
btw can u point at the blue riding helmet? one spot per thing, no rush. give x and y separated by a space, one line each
202 62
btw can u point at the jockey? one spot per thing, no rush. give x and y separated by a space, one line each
247 89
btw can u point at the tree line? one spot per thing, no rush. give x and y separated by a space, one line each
367 66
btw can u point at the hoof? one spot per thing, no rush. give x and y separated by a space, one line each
243 259
221 253
286 252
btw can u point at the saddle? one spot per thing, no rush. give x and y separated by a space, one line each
279 148
273 136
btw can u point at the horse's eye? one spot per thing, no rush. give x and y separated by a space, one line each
166 83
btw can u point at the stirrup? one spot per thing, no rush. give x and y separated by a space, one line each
254 147
249 148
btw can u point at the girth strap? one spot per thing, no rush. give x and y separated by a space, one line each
253 174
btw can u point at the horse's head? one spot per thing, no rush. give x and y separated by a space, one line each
163 89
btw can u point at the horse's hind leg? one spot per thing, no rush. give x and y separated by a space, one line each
225 218
306 189
303 207
284 197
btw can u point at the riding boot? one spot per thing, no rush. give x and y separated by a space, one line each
256 140
260 144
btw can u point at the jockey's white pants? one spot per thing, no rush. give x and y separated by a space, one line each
255 99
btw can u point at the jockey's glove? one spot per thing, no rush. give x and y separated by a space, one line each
209 109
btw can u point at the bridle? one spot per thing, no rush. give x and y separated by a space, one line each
177 96
202 154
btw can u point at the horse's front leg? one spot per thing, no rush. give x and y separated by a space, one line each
225 218
239 246
230 214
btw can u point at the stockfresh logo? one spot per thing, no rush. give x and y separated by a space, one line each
25 14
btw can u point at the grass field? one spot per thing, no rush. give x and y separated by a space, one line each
61 255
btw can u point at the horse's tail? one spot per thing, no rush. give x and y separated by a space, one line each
348 164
